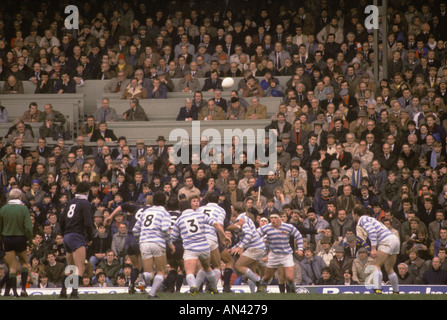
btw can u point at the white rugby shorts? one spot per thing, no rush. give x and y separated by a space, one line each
151 250
280 259
201 255
390 245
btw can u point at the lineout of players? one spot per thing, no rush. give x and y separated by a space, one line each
190 236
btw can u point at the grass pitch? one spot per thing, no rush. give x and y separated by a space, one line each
238 297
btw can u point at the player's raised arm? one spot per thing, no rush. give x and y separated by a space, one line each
109 219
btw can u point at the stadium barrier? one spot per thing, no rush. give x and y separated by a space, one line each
168 109
329 290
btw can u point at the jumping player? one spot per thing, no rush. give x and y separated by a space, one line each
251 247
15 230
131 244
214 211
385 247
77 227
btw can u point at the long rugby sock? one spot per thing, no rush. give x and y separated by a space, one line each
377 279
291 286
158 280
227 277
75 287
13 282
252 285
5 282
147 277
191 280
200 278
252 276
282 287
64 288
170 280
178 282
217 273
394 281
211 276
134 275
24 274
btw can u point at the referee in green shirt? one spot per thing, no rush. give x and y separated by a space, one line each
15 230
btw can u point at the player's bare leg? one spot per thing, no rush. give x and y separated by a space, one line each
247 267
379 260
11 262
24 271
281 279
190 270
389 264
229 265
148 267
289 273
77 259
160 264
136 267
215 261
210 275
268 274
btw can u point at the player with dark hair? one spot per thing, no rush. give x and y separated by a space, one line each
152 229
77 227
131 245
385 247
175 259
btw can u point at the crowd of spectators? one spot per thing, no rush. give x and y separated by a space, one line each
342 137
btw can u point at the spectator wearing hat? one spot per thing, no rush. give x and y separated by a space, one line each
49 128
358 126
236 111
124 66
340 263
360 264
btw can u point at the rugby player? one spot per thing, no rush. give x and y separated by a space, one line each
190 226
385 247
77 227
277 234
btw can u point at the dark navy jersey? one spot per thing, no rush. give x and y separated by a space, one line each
77 217
135 210
174 216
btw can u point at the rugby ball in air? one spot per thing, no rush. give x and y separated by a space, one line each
227 83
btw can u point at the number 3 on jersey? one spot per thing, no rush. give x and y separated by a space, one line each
193 226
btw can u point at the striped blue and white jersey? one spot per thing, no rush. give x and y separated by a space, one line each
375 229
216 212
153 225
190 226
279 239
248 234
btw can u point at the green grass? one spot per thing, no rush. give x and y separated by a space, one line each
242 297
